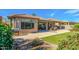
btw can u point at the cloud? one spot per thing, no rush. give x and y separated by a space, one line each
72 11
76 15
52 14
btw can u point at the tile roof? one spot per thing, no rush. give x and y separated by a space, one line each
53 19
22 16
36 17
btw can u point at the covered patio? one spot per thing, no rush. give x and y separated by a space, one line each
24 24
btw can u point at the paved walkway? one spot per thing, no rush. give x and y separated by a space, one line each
32 36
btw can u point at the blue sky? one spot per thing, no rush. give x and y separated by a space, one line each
61 14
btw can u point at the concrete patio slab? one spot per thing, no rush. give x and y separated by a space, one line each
32 36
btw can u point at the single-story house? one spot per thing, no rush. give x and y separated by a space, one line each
29 23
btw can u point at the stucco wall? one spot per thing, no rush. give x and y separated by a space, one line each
17 25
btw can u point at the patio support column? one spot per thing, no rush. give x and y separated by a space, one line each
68 23
19 22
11 23
36 25
46 25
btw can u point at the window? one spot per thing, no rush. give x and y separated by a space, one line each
27 25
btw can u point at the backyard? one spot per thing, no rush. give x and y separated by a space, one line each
54 39
39 41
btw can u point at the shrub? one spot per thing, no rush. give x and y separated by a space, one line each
5 37
76 26
70 43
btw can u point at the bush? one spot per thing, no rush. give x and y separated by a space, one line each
70 43
5 37
76 27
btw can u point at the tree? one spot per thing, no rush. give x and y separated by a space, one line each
33 14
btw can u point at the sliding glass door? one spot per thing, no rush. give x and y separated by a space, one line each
27 25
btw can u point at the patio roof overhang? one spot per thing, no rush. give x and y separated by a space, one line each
55 20
23 16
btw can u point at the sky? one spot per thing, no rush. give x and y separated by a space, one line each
60 14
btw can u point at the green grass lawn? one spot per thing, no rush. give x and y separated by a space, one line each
56 38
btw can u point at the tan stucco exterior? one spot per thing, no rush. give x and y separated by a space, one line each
17 19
